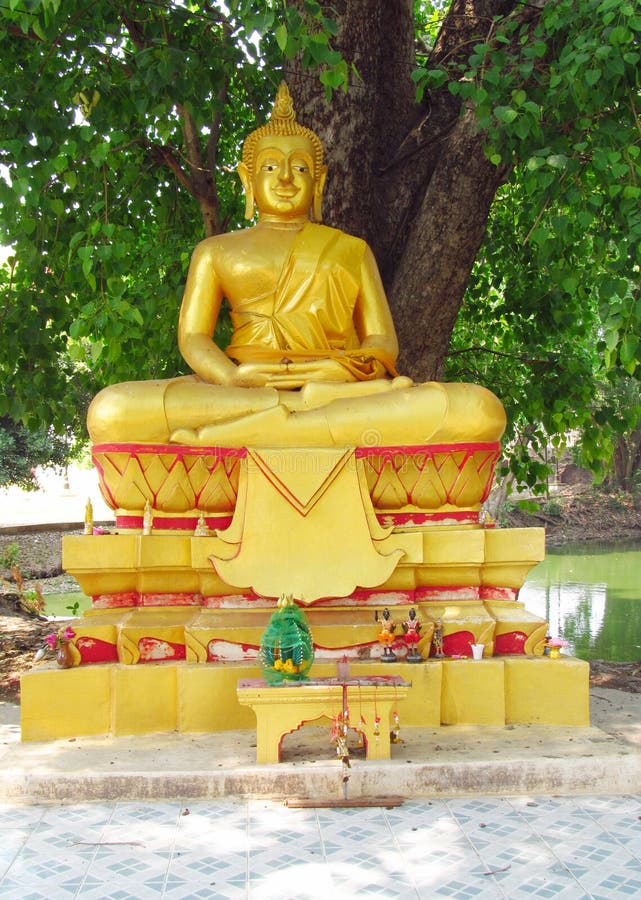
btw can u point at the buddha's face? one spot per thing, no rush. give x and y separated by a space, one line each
283 179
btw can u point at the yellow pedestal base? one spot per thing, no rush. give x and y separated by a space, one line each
114 699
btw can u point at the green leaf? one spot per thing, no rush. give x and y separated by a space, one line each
505 114
280 33
557 160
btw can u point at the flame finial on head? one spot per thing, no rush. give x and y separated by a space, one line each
283 105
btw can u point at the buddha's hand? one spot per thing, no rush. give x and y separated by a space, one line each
286 375
291 375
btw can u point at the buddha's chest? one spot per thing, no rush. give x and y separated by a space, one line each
255 268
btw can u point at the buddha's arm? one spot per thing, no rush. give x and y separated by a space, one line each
198 314
372 316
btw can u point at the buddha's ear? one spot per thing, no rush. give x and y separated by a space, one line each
319 187
246 181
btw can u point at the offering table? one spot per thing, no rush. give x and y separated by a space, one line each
284 708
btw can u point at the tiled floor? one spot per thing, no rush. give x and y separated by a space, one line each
588 847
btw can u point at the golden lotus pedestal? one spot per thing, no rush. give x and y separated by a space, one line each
207 538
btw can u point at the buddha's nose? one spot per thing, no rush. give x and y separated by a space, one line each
285 171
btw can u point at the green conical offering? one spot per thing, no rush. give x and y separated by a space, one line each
286 648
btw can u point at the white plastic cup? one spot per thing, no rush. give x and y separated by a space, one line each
477 651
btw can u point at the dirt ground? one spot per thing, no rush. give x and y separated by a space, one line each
578 514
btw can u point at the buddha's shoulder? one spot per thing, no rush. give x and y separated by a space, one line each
221 244
337 243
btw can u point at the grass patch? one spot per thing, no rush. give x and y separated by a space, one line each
58 604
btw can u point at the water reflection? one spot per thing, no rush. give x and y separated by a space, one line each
591 595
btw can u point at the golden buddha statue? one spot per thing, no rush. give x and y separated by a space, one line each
312 357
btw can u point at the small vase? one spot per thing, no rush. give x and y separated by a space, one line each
63 656
555 652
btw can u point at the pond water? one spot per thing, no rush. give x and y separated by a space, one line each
591 596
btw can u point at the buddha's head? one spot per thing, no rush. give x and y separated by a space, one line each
282 169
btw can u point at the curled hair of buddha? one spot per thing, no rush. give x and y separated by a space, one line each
282 122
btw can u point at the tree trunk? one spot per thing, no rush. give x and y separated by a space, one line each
410 178
441 245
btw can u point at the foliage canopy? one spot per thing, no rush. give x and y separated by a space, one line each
121 122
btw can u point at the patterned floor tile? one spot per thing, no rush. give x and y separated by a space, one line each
129 871
616 885
12 842
624 828
40 874
80 840
547 808
593 867
573 828
545 885
211 890
20 890
79 815
202 817
354 881
300 880
496 848
417 830
203 868
479 808
623 805
435 850
438 873
95 888
161 812
516 856
148 836
17 816
230 840
460 889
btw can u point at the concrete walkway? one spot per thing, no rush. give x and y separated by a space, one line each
449 761
501 813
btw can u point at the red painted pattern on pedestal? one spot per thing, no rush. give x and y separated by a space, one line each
512 642
182 599
445 594
173 523
360 598
155 650
93 650
457 644
487 592
115 601
231 651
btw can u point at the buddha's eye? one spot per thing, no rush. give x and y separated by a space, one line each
269 167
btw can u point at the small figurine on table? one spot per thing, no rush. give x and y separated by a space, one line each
412 629
202 528
386 636
437 640
147 519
